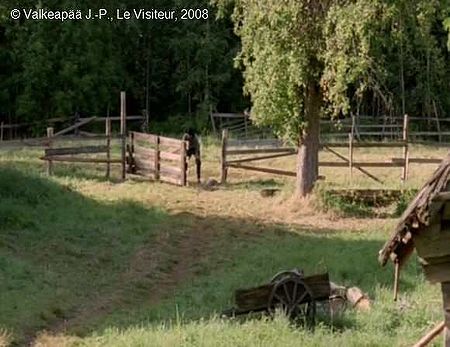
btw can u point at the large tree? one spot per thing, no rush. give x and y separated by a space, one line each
304 58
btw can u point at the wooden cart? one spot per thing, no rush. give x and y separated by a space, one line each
289 292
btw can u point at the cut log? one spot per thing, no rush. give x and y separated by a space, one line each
358 299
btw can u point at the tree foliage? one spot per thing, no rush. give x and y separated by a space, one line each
356 49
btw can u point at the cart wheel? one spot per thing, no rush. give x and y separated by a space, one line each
293 297
290 273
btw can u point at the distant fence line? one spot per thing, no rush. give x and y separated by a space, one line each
238 153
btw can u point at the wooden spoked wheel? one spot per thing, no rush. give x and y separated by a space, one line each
292 296
285 274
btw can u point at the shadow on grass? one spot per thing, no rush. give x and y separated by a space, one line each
92 264
255 184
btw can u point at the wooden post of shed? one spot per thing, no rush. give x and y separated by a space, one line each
183 166
396 278
1 131
223 157
123 130
405 149
350 153
108 147
49 145
445 287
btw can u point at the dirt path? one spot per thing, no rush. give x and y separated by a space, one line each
154 272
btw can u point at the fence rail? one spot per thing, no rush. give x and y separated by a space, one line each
237 154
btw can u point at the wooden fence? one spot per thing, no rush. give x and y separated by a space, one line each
238 154
76 153
157 157
72 154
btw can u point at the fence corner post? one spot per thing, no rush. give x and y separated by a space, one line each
49 145
223 157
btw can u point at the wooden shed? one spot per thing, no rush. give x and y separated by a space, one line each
425 226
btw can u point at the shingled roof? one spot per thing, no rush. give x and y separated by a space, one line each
419 214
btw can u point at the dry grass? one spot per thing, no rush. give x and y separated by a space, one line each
5 338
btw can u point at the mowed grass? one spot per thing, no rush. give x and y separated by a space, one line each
86 262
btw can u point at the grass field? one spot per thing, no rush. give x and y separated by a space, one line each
87 262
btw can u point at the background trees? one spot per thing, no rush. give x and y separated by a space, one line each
49 68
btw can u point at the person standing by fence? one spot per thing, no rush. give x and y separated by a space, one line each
193 149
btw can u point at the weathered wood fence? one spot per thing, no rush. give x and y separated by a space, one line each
232 153
72 154
76 152
157 157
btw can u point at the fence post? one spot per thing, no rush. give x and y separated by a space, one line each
108 147
123 131
183 165
405 149
49 145
1 131
157 158
223 157
130 148
350 154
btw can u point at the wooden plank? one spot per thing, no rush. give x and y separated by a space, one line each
169 142
143 163
432 242
358 168
170 171
418 160
171 156
255 143
430 336
144 152
361 164
261 151
396 144
75 150
173 180
102 119
149 138
82 160
75 126
430 133
263 169
245 160
228 115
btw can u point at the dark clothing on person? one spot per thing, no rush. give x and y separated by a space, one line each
193 149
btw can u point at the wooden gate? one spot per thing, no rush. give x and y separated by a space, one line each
160 158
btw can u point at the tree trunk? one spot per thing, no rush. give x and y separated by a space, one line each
308 152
